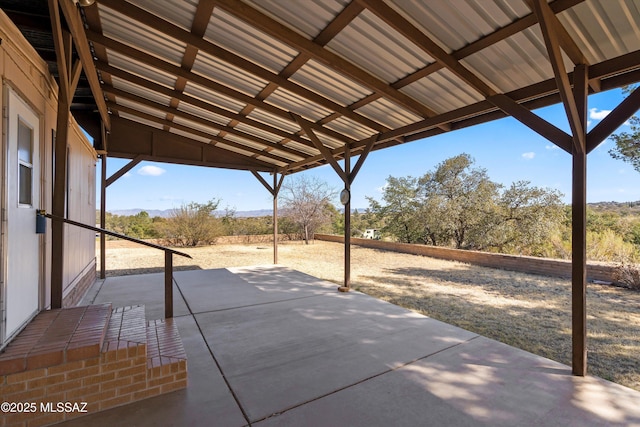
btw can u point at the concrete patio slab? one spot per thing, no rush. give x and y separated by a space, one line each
479 382
310 347
207 401
147 289
268 346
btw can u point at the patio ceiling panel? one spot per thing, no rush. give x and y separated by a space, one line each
521 60
317 77
120 101
205 114
291 102
308 18
268 136
305 149
138 119
198 126
603 29
148 39
232 34
374 46
140 91
443 92
352 69
456 24
277 122
180 12
190 135
348 127
140 69
213 97
388 113
229 75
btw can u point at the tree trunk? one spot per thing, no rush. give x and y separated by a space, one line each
306 235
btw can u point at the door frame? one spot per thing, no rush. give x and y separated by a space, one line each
37 182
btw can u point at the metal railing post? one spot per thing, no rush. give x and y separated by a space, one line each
168 285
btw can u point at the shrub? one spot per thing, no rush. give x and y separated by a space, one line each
628 274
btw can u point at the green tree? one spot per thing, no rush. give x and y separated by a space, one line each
193 224
525 218
458 202
627 146
399 210
305 201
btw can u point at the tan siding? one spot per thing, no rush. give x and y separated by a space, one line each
28 75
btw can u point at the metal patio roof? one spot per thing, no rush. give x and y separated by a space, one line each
241 84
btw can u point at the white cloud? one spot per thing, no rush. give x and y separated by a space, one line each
126 175
151 171
529 155
596 114
551 147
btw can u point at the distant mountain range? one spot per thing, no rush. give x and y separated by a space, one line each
633 207
165 213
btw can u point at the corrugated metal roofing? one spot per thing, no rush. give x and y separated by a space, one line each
332 85
378 48
147 39
308 17
227 74
180 12
349 70
138 68
233 34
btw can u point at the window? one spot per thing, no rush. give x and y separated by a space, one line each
25 164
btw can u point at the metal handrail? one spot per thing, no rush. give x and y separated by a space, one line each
168 256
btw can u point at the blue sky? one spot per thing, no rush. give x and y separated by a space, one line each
506 148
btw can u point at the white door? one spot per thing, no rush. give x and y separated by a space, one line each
22 190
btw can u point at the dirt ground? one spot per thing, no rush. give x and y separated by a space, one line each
527 311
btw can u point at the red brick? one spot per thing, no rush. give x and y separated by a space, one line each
43 360
11 366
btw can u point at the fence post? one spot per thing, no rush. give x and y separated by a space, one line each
168 284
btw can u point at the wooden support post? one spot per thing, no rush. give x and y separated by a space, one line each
103 214
275 217
347 220
578 229
168 285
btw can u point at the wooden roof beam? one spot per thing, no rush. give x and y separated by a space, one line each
76 28
292 38
548 25
196 132
627 108
167 67
199 43
197 102
200 120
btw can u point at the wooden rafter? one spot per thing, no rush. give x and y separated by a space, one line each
203 81
76 28
123 170
328 156
200 120
614 119
196 132
548 25
199 43
320 54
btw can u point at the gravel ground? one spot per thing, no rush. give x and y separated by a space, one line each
527 311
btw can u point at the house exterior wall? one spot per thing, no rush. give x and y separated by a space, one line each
25 73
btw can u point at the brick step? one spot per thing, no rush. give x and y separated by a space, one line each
166 358
126 334
102 356
57 336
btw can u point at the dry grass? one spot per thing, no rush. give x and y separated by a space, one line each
527 311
